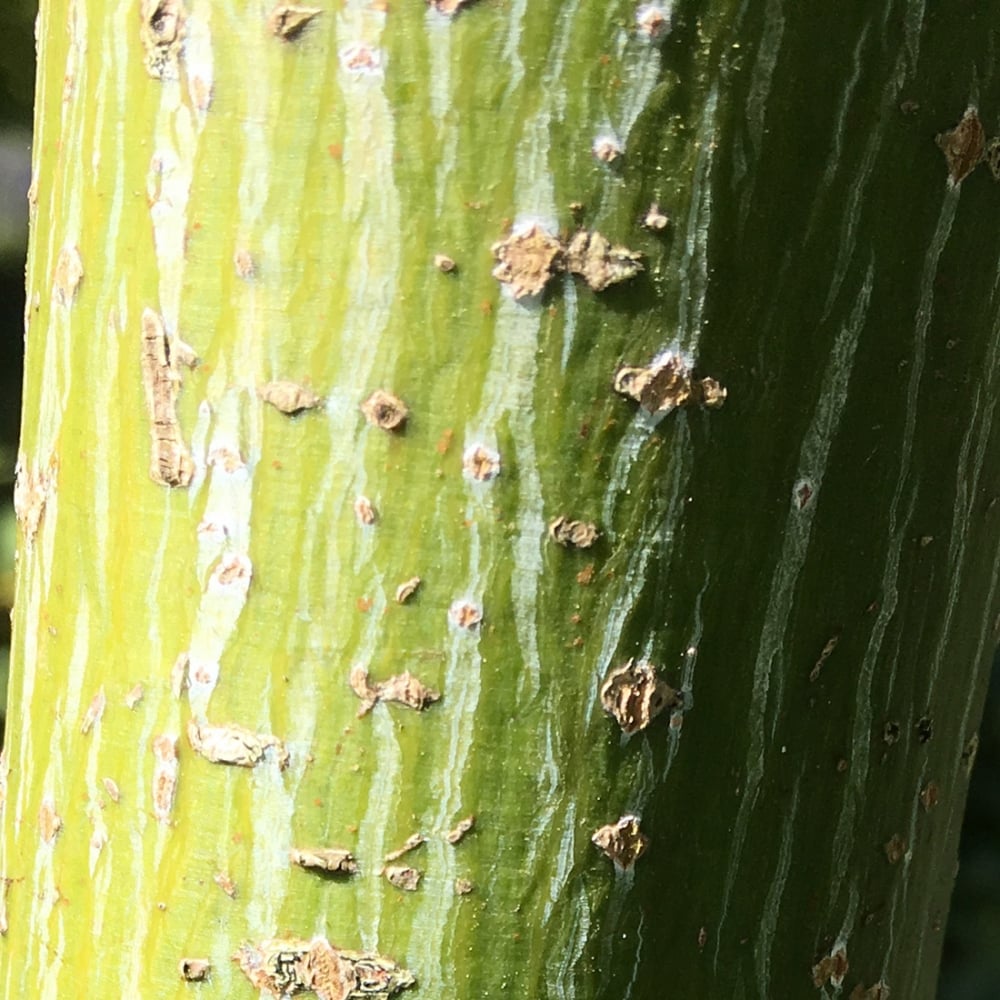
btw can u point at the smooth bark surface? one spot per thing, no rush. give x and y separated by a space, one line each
279 204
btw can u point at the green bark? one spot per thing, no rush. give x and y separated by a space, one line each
818 264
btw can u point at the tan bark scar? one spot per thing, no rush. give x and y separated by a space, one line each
170 462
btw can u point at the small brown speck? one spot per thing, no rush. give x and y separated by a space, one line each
463 887
164 776
653 21
828 648
289 397
963 146
831 968
383 409
68 275
336 860
444 263
244 264
654 219
622 841
464 614
480 463
890 732
194 970
407 589
586 575
929 796
49 822
403 877
94 711
633 694
969 754
360 58
225 883
702 938
573 534
364 511
460 829
895 849
134 695
527 259
112 789
606 149
287 21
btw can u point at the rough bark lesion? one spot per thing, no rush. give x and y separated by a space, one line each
170 463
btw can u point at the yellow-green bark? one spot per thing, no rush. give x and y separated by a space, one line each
279 205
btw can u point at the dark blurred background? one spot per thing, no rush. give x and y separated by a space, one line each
971 969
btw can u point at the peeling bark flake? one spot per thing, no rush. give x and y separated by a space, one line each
383 409
444 263
573 534
68 275
407 589
234 744
134 696
623 842
289 397
170 464
164 776
831 968
457 833
94 712
287 21
633 694
412 843
49 821
282 967
403 877
527 259
32 490
335 860
963 146
403 688
194 970
162 35
463 887
667 383
591 256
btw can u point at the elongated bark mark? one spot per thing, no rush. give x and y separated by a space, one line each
281 967
234 744
170 462
165 769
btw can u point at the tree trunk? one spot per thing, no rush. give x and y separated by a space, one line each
204 611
